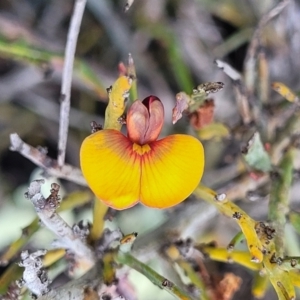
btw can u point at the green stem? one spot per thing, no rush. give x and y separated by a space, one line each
17 245
229 209
12 273
99 212
194 277
236 239
260 285
132 74
154 277
24 51
279 198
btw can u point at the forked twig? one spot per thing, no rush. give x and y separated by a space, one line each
50 165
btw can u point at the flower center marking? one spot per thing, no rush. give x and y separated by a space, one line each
141 150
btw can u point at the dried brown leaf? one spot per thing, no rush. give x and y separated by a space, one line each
203 116
182 104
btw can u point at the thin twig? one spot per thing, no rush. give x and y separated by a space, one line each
250 61
128 5
239 89
264 77
50 165
67 79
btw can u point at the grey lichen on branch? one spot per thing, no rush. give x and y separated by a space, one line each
34 276
69 238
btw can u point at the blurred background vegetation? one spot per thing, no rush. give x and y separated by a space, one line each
174 44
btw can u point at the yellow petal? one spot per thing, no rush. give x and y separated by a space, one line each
171 170
111 168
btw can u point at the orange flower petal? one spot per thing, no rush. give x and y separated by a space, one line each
171 170
111 168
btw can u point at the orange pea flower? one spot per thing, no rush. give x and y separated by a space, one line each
123 171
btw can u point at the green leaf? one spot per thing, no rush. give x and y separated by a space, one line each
255 154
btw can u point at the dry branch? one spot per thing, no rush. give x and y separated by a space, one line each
38 157
70 238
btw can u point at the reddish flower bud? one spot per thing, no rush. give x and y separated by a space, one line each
145 120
